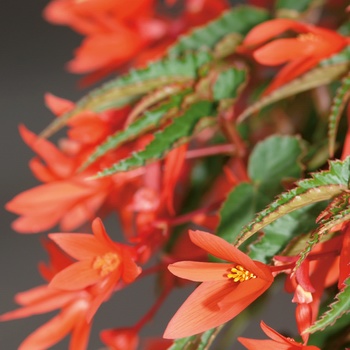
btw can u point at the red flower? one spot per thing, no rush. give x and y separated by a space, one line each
301 53
227 288
101 261
277 342
74 305
120 339
117 34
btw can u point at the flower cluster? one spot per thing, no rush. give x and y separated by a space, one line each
162 148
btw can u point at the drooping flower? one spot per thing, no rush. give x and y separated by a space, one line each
66 196
72 318
301 53
101 261
227 288
277 342
318 271
74 307
116 35
120 339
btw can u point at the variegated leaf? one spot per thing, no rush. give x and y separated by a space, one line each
316 77
136 83
295 9
150 120
178 132
234 23
321 186
339 101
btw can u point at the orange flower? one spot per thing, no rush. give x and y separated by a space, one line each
100 261
117 34
64 197
227 288
302 53
277 342
74 305
120 338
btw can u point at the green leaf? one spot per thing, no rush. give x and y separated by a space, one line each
239 21
339 101
183 343
196 342
228 83
179 132
148 121
274 159
238 209
321 186
314 78
132 86
267 168
278 234
338 308
329 335
344 29
293 9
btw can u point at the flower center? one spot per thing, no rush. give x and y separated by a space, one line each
308 37
240 274
106 263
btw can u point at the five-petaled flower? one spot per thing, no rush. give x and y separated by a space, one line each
277 342
302 53
227 288
101 262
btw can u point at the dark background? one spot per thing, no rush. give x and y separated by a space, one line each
32 57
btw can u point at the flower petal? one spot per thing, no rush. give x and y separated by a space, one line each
344 262
130 269
57 105
269 29
105 289
223 250
100 233
272 334
80 246
35 224
283 50
200 311
54 299
80 335
76 276
51 332
256 344
291 71
246 291
200 271
53 157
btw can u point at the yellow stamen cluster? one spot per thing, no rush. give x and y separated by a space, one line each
106 263
240 274
308 37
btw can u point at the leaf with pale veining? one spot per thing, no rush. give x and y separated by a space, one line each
295 9
314 78
132 86
178 132
321 186
339 101
150 119
238 21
